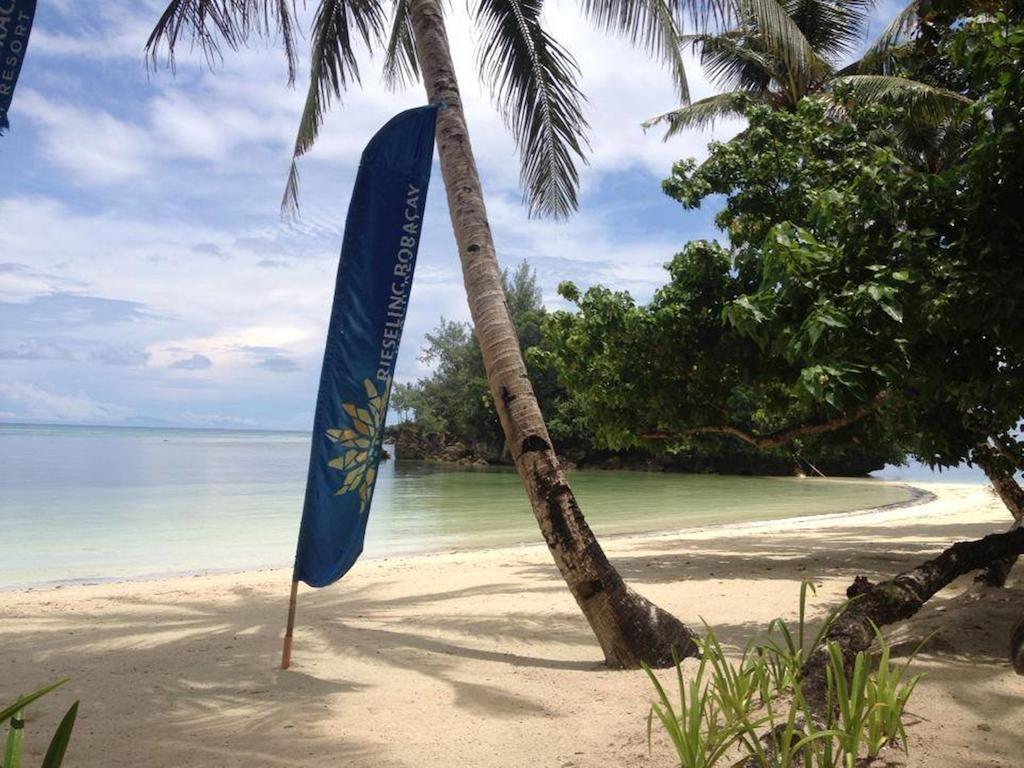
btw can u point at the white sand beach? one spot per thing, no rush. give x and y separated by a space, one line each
481 658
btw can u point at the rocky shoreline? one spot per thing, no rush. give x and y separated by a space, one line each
411 443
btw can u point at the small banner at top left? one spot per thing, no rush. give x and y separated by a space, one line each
15 25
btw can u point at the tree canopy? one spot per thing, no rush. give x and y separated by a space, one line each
856 290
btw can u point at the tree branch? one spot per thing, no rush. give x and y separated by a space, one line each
1010 449
779 437
853 629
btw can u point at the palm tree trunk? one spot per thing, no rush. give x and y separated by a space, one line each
629 628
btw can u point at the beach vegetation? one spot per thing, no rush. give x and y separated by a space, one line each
858 291
13 716
754 709
454 399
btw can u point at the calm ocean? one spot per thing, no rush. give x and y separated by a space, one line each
94 503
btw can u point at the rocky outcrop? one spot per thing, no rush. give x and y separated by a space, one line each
412 442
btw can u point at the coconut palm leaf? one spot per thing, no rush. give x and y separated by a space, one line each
832 27
880 58
699 114
924 102
534 77
400 65
656 26
785 41
533 80
333 67
935 146
733 60
212 23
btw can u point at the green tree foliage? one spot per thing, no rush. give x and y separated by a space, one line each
455 397
856 289
672 375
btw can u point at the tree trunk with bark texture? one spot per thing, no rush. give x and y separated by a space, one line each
1012 495
1007 489
895 600
1017 647
629 628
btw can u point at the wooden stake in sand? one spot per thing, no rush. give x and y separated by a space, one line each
286 652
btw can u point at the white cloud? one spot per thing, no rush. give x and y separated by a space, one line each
92 145
32 401
204 115
164 192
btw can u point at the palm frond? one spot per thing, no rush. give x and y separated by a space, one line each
924 102
785 41
285 21
333 66
400 65
699 114
882 55
933 146
832 27
654 25
211 24
533 80
735 60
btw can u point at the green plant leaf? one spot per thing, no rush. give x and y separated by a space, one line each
61 737
12 746
8 713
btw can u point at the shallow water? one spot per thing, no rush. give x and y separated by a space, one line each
87 504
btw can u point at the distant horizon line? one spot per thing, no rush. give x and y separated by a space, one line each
79 425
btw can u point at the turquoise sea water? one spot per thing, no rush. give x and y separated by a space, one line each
91 503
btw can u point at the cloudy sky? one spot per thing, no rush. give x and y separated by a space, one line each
146 275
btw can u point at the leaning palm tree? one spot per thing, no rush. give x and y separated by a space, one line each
533 82
782 51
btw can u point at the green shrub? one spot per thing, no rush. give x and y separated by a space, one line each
755 707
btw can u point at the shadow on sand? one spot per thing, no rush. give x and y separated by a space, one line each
394 664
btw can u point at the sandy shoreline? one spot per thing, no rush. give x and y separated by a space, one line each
480 657
918 495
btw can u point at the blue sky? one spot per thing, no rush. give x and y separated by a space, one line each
146 276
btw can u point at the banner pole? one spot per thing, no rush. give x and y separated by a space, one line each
286 652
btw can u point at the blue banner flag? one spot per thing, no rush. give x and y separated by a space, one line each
378 255
15 26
